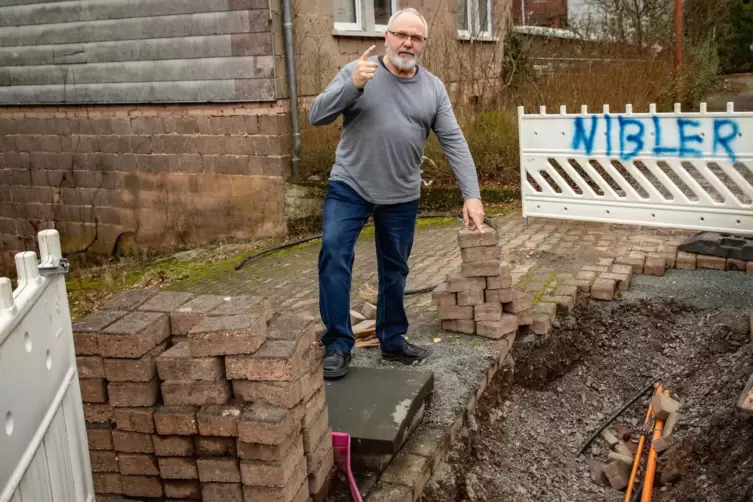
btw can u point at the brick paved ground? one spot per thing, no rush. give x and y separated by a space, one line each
543 253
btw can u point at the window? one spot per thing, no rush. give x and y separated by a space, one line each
369 16
475 19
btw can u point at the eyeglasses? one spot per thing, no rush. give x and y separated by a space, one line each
416 39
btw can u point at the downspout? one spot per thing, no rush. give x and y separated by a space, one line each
287 25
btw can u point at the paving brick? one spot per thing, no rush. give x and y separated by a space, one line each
625 459
480 269
589 275
654 265
733 264
369 310
176 363
466 326
480 254
188 315
314 432
448 312
542 324
686 261
166 301
86 332
617 474
176 420
93 390
440 296
603 289
663 406
98 413
520 302
282 394
288 493
265 424
197 393
222 492
274 361
228 335
138 464
487 312
408 470
596 268
525 317
182 489
107 483
178 468
711 262
142 369
635 261
503 280
215 446
670 423
132 442
669 257
455 283
508 323
90 367
470 297
99 436
142 486
173 446
315 382
498 295
218 470
131 299
134 419
131 394
104 461
484 236
271 474
321 474
245 305
218 420
268 452
749 269
546 307
621 269
622 280
134 335
313 407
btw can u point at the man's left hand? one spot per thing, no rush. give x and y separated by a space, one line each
473 213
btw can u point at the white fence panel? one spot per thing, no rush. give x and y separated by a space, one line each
691 170
43 445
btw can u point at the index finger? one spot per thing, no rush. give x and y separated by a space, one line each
368 52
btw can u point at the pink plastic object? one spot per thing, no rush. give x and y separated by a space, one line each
341 444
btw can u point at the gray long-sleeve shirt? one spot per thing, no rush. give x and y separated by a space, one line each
385 128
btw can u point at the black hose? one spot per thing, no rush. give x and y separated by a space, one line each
616 414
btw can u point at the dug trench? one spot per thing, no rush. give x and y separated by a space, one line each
522 442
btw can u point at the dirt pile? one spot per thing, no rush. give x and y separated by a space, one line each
528 429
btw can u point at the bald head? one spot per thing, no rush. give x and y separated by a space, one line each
408 16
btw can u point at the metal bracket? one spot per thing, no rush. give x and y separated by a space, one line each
61 268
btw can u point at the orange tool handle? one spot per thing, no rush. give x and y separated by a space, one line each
639 451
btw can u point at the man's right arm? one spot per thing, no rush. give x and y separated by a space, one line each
338 95
345 88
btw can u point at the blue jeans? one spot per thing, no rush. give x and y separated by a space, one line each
345 214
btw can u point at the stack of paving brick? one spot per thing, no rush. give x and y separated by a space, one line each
479 298
204 398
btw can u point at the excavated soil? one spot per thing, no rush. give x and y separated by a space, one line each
522 443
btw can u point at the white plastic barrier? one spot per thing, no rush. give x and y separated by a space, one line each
43 444
691 170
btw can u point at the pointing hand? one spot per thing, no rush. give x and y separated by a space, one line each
365 69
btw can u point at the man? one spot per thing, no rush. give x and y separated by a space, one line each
389 106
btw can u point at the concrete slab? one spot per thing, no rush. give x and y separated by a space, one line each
377 407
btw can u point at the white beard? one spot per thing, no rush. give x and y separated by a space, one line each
400 63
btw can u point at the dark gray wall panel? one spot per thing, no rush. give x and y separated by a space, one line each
92 51
152 92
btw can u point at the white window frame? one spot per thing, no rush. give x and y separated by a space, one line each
476 32
364 19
